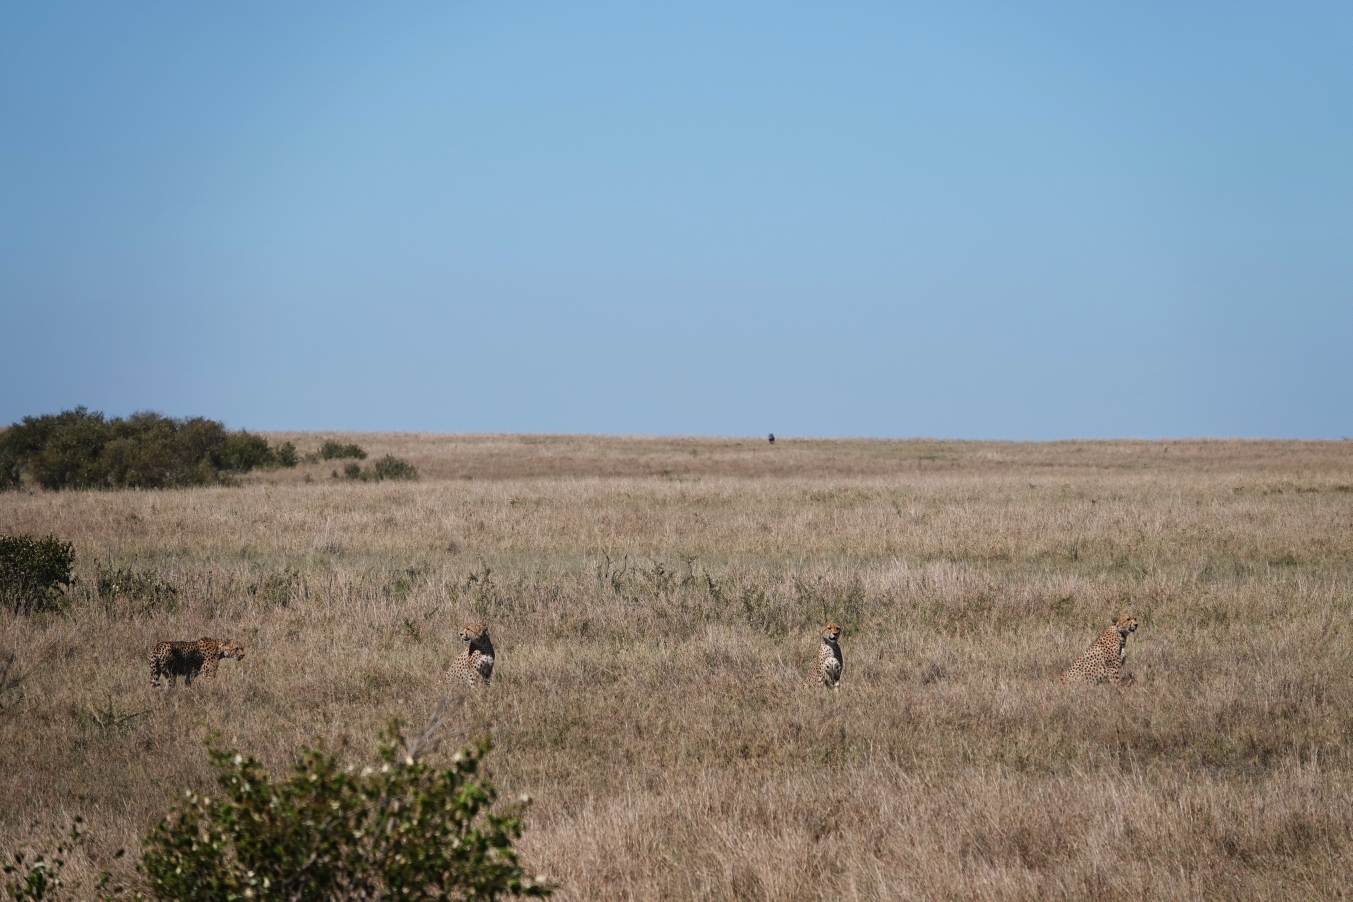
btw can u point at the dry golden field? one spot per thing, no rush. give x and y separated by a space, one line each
655 604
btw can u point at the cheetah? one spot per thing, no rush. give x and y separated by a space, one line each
188 659
1103 660
474 666
829 661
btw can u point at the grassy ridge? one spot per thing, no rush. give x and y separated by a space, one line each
654 604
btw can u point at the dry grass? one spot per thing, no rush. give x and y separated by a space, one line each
654 605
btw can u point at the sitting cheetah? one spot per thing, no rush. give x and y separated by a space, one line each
188 659
1103 660
829 661
475 665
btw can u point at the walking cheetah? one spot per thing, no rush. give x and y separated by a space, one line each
1103 660
829 661
188 659
475 665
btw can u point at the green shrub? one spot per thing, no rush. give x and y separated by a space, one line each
32 572
388 467
286 454
11 465
332 450
242 451
391 467
78 449
403 829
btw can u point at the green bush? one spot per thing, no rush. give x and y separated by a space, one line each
403 829
388 467
286 454
78 449
391 467
242 451
32 572
332 450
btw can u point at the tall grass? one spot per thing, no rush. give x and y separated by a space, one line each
654 605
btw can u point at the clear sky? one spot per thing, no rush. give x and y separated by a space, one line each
1004 220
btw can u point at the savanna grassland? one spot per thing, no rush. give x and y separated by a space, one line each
655 604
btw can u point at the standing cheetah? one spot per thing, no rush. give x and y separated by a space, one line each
1103 660
475 665
829 661
188 659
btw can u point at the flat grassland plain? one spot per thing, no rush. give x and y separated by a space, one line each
655 602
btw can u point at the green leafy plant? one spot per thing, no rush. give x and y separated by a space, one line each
33 572
332 450
402 829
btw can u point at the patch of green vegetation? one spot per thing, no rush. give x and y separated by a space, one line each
77 449
332 450
387 467
33 573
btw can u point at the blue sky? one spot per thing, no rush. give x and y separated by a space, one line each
966 220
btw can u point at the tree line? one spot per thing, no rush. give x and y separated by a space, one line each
80 449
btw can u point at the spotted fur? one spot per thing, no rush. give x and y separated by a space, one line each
1103 660
830 665
474 666
188 659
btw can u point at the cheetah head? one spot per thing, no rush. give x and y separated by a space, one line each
232 650
831 632
1126 624
473 633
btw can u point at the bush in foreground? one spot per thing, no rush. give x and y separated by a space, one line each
33 571
77 449
401 830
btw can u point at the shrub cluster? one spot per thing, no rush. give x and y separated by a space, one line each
77 449
387 467
332 450
402 830
32 572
